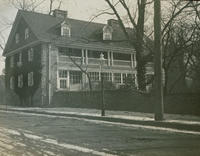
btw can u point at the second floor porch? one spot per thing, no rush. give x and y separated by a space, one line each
92 58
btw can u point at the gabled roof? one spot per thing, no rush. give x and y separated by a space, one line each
44 26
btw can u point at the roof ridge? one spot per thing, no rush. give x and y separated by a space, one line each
70 18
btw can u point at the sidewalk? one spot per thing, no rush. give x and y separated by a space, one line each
182 122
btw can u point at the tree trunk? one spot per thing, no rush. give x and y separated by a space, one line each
140 46
89 81
165 87
158 62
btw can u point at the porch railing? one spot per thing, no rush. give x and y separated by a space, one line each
121 63
66 59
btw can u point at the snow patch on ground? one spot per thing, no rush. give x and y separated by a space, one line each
52 141
172 130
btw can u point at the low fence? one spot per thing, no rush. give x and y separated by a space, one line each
128 101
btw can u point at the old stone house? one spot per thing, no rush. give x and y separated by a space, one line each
40 49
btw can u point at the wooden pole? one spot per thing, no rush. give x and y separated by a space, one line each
158 62
102 96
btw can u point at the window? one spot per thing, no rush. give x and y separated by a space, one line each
107 36
12 83
75 77
26 33
107 32
117 77
12 61
20 81
124 77
30 79
30 54
65 30
128 78
62 79
62 73
17 38
63 84
94 76
131 76
107 76
19 63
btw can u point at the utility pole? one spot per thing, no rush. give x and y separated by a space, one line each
158 85
102 85
102 96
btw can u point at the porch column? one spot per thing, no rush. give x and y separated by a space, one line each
68 79
86 56
83 56
111 58
112 77
132 61
108 58
136 80
121 78
58 81
134 58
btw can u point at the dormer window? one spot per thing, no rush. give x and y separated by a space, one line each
17 38
26 33
107 32
107 36
65 30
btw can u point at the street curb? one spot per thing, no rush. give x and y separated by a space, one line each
163 124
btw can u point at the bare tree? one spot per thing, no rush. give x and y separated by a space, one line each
29 5
33 5
52 5
83 70
178 32
137 22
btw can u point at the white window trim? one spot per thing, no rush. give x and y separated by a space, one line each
30 54
20 81
65 26
19 63
73 78
12 83
17 38
63 78
120 76
11 61
30 79
107 36
26 33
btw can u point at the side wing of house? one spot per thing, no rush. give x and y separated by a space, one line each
23 57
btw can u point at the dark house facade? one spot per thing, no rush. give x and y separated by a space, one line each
44 54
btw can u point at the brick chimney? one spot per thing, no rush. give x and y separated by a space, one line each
60 13
113 22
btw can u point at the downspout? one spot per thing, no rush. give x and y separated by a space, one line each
49 72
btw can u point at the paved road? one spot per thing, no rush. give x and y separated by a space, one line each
40 135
